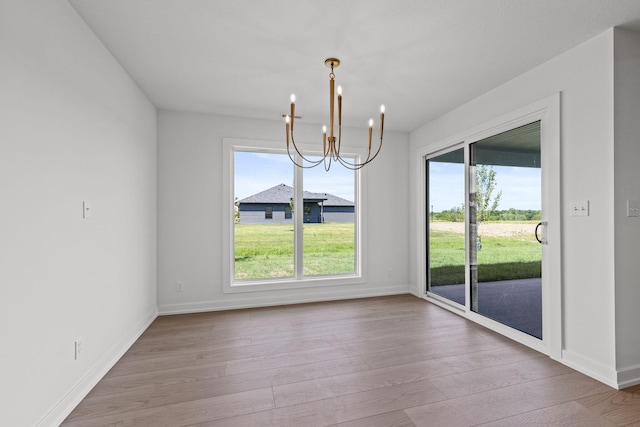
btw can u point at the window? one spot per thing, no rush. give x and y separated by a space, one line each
329 221
289 226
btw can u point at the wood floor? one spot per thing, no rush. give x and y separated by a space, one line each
389 361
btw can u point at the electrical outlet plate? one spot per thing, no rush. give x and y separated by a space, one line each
579 208
78 348
86 210
633 208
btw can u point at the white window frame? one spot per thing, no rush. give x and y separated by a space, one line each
230 285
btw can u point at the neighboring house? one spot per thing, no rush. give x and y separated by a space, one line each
273 206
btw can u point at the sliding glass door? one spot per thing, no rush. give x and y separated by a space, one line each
484 240
446 231
504 221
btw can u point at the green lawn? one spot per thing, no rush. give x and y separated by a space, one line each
501 258
266 250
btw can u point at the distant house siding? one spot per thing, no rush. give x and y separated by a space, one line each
338 216
254 213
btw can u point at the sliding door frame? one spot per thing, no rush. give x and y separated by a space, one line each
547 111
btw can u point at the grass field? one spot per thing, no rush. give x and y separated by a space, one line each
501 258
266 250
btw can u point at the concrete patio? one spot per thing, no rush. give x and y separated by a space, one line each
516 303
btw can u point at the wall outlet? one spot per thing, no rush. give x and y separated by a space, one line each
579 208
179 286
86 210
78 348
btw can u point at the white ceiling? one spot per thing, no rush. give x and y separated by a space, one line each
421 58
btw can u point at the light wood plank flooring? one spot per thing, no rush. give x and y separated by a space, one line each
389 361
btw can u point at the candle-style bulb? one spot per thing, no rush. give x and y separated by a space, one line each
287 119
339 90
324 129
370 123
293 97
382 108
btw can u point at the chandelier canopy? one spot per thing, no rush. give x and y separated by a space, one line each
331 144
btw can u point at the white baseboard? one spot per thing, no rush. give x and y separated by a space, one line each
595 370
250 301
591 368
64 407
629 377
415 293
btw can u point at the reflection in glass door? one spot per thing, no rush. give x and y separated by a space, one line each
504 217
446 235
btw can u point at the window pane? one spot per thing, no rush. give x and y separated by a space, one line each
263 232
445 196
329 221
505 200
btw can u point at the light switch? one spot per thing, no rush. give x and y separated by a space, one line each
633 207
86 210
579 208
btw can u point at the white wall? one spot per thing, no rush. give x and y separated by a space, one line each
584 76
190 195
73 127
627 187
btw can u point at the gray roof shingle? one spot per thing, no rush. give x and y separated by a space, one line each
283 194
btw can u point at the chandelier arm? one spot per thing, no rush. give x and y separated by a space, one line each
327 163
369 158
313 163
351 166
377 152
356 166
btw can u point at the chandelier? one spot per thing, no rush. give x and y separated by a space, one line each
330 144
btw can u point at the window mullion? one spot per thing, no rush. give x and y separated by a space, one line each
298 211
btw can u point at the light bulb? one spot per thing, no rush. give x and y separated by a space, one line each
339 90
370 123
293 98
324 129
287 119
382 108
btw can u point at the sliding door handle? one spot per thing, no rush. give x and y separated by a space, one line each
542 238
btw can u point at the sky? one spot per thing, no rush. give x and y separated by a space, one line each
256 172
520 186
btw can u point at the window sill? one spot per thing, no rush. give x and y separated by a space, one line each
292 283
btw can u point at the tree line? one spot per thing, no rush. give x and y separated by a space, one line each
486 203
456 214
